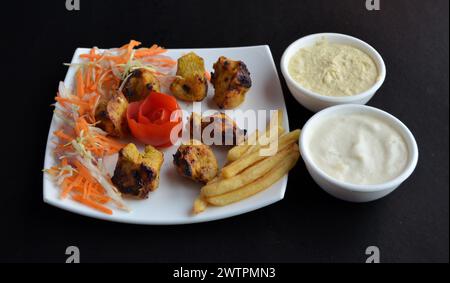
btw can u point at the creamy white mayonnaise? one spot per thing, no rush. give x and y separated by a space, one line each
358 148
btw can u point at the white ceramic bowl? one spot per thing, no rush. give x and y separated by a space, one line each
314 101
354 192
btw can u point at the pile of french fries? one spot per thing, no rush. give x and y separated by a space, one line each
248 171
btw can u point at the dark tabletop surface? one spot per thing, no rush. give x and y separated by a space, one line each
410 225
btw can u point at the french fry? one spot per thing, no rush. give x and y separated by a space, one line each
257 146
248 159
242 148
200 205
248 175
260 184
215 179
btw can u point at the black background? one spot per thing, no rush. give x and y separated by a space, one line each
410 225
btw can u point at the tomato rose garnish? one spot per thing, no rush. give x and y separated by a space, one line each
155 120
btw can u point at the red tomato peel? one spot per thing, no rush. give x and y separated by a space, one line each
150 120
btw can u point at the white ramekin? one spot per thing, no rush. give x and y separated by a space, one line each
314 101
354 192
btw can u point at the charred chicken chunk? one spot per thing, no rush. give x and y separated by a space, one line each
219 128
110 114
136 173
231 81
190 83
139 84
196 161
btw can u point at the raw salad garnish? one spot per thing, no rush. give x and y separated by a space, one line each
80 146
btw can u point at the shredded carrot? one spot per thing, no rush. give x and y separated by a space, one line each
92 53
113 144
53 171
83 105
64 162
80 83
86 189
70 186
92 204
164 61
87 78
63 136
83 171
101 198
148 52
133 43
90 56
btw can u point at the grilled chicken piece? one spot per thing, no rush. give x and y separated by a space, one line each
190 83
111 114
137 174
220 128
139 84
231 81
196 161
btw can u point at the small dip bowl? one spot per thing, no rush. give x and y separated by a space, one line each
315 101
355 192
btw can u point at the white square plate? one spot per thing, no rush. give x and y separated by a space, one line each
172 202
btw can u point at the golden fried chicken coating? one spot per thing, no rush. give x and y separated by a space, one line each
137 174
190 83
231 80
140 83
196 161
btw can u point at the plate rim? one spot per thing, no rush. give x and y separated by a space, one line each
193 220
